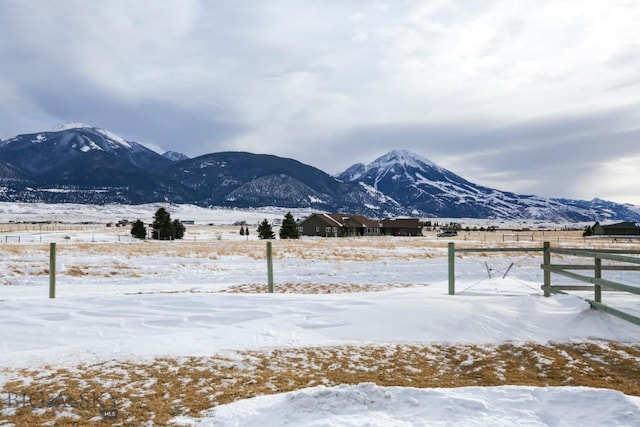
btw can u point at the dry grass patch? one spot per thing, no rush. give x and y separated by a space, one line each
359 249
327 249
156 391
98 270
169 249
75 271
17 249
314 288
293 288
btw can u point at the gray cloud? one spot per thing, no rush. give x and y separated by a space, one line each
536 97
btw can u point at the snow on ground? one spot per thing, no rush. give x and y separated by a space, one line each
172 306
370 405
71 212
75 329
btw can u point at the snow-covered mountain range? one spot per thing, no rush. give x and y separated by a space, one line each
82 164
413 181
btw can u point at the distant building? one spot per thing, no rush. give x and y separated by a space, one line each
338 225
618 229
349 225
401 227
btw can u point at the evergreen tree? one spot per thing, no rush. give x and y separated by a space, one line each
161 225
588 231
246 231
265 231
138 230
178 229
242 230
289 229
164 228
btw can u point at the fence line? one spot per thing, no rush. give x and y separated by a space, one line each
597 283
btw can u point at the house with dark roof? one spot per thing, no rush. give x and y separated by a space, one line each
619 229
338 225
401 227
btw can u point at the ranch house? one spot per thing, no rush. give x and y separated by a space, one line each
338 225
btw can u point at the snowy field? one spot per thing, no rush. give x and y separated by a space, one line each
359 331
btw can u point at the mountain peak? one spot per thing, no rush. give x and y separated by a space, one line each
394 159
70 125
83 127
403 157
175 156
74 145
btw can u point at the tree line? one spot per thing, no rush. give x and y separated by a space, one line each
163 228
288 230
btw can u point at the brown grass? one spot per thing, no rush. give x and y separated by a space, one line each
314 288
326 249
156 391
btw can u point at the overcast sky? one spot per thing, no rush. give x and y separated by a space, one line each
535 97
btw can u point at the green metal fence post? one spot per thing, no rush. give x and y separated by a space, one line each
269 268
52 270
452 268
598 275
546 260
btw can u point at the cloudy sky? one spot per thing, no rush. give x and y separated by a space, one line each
531 96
